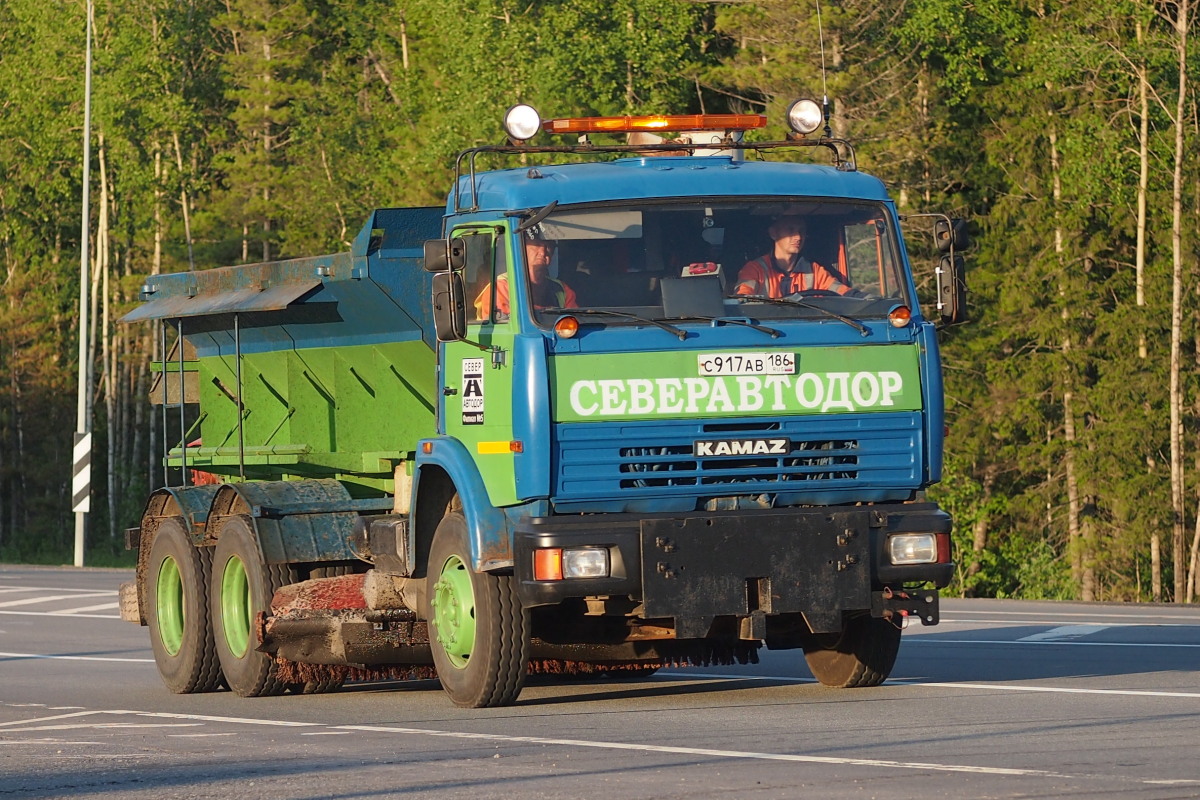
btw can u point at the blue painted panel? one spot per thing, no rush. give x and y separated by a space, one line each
935 403
872 456
662 177
487 526
531 416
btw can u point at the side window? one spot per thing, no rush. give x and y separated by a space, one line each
869 260
479 275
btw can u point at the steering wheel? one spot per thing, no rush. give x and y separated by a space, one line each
814 293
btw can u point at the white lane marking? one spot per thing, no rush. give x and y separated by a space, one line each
921 639
1134 614
52 614
702 751
1175 782
11 588
80 610
28 601
1050 689
1063 632
77 658
164 715
942 685
1011 621
98 725
626 746
46 741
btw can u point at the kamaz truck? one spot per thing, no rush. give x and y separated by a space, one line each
561 425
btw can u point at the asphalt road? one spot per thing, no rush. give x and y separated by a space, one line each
1002 700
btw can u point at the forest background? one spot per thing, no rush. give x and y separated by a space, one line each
227 131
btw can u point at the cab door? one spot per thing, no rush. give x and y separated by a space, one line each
477 372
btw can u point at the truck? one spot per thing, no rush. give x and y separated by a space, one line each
551 427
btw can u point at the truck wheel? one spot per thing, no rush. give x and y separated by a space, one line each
861 655
479 633
242 586
177 613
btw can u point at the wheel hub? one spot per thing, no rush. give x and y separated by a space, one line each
454 611
169 609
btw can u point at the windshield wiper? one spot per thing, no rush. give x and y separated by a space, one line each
533 217
778 301
774 334
605 312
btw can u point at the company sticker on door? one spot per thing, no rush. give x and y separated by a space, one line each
815 380
472 391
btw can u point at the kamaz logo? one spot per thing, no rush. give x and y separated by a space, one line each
741 447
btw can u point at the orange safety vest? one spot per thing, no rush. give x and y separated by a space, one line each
762 278
483 306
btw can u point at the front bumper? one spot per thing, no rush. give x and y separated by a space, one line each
821 562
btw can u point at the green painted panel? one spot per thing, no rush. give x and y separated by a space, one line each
479 411
672 385
339 411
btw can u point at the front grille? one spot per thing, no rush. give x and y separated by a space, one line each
642 459
821 460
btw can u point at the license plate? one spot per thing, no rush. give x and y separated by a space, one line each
746 363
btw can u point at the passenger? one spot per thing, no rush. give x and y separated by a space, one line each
547 292
783 271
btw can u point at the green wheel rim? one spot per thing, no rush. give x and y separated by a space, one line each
169 606
454 611
235 606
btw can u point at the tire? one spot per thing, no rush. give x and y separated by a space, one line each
241 587
478 631
177 611
863 654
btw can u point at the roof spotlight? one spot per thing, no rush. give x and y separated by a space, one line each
805 116
522 122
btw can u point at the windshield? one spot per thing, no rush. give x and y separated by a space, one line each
711 259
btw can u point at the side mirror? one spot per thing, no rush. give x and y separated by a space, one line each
444 254
951 234
449 306
952 289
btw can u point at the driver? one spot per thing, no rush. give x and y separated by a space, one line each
547 292
783 271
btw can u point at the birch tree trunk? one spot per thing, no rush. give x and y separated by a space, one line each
1075 544
1176 388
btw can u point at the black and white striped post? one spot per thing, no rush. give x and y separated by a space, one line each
81 474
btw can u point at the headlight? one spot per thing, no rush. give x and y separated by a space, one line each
585 562
805 116
913 548
522 122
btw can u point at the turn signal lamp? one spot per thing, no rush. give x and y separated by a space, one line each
805 116
522 122
547 564
900 316
566 327
657 122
